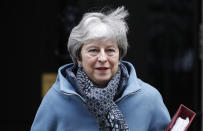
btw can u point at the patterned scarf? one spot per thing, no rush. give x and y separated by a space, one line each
100 101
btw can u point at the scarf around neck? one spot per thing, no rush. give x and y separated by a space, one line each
100 101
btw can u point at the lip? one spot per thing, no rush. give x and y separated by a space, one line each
102 69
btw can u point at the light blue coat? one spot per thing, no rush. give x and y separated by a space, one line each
63 109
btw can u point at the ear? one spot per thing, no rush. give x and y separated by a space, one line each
79 63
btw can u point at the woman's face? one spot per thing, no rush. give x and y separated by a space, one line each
100 61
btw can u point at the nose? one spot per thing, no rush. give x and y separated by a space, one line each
102 57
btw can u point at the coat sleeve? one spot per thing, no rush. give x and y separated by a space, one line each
160 114
45 119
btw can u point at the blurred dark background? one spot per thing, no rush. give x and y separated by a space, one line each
164 48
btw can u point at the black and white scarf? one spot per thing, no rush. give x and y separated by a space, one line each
100 101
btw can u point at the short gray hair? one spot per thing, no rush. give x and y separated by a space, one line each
103 26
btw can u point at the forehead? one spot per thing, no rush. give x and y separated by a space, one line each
100 43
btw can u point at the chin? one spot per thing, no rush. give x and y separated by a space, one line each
102 81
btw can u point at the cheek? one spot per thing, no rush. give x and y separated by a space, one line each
115 60
88 63
114 63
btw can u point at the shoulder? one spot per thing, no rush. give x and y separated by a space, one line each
49 101
150 96
155 104
56 98
148 90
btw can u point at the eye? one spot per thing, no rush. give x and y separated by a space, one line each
110 50
92 50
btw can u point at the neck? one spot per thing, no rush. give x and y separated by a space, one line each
100 85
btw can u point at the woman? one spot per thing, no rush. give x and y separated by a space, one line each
98 90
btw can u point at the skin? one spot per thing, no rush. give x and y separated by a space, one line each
100 60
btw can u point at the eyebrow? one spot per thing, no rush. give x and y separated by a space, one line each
96 45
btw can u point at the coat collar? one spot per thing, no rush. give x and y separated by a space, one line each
66 87
132 84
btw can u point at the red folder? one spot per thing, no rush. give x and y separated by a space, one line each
182 112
